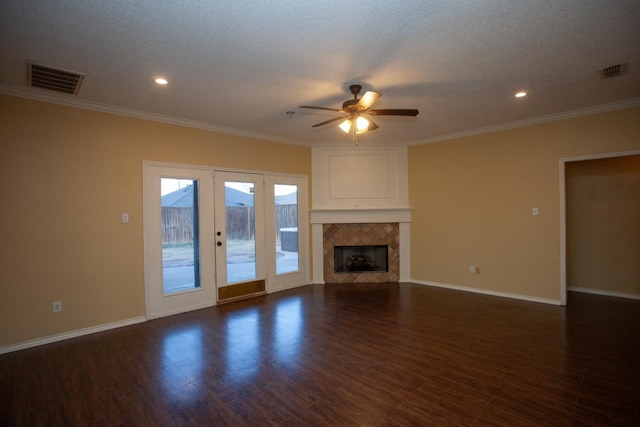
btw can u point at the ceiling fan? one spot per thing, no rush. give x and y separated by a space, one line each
353 110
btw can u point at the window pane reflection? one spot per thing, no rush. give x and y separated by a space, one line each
243 344
288 331
182 362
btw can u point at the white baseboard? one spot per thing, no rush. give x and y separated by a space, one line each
68 335
487 292
287 287
603 293
173 312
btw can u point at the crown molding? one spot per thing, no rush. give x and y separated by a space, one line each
628 103
41 95
44 96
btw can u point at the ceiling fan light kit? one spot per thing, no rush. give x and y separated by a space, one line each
362 125
345 126
353 110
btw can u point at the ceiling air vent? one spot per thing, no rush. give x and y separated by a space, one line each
613 71
44 77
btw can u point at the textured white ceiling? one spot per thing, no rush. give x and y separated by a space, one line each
239 66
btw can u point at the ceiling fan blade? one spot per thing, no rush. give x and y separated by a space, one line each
394 112
326 122
369 98
319 108
372 125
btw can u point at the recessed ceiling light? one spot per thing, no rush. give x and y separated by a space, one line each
521 94
161 81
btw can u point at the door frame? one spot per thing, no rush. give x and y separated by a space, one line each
274 282
563 210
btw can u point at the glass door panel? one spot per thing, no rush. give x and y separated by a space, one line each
180 231
286 228
240 231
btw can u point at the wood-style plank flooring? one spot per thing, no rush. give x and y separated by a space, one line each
343 355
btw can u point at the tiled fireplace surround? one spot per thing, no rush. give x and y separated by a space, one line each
361 235
361 228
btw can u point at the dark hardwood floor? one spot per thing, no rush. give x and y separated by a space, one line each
354 355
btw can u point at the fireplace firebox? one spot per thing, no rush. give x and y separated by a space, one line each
361 259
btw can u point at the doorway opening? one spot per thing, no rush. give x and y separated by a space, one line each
564 228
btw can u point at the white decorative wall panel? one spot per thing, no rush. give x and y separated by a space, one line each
360 178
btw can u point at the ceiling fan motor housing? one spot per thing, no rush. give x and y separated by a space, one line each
350 104
355 90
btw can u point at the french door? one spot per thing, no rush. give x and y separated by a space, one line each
178 251
287 238
213 235
239 234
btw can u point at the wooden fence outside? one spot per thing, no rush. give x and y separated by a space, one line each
177 223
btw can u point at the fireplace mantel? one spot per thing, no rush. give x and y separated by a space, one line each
369 215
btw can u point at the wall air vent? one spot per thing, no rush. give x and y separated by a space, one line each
56 79
613 71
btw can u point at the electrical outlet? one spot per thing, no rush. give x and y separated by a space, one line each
474 270
57 306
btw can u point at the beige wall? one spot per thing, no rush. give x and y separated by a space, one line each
67 175
603 224
473 198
